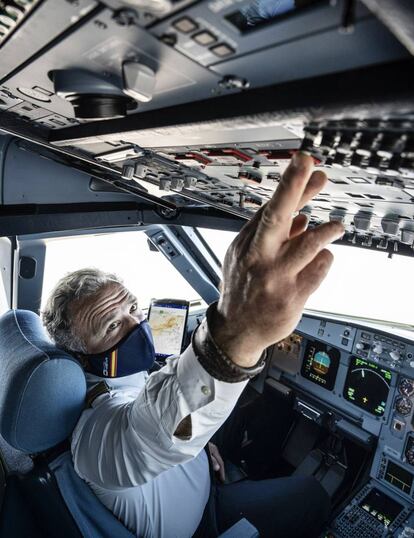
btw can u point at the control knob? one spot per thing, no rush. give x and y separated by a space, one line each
390 225
406 387
395 355
407 236
403 405
337 215
362 221
362 346
408 532
377 348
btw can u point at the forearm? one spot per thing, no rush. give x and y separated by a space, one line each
129 444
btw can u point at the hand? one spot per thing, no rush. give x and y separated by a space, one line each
217 460
272 267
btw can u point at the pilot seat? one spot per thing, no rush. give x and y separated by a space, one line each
42 395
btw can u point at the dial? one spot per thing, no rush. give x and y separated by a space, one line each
406 387
403 405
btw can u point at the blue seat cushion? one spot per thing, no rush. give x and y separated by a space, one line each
43 388
93 519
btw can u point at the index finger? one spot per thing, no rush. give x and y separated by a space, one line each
276 217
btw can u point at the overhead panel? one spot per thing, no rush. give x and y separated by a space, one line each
100 47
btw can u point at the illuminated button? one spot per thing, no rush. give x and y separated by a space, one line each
222 50
185 25
204 38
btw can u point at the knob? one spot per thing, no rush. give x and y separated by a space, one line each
395 355
190 181
177 184
407 236
390 225
165 184
407 532
337 215
361 346
141 170
128 171
377 348
362 221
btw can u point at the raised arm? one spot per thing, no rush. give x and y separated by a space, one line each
270 270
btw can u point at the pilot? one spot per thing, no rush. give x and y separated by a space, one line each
140 444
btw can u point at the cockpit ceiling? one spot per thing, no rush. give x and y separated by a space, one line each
137 68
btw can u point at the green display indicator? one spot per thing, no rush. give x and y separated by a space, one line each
367 386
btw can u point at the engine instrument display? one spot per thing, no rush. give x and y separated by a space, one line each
398 477
380 506
367 386
320 364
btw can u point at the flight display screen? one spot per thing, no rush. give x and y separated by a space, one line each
398 477
261 12
381 507
367 386
320 364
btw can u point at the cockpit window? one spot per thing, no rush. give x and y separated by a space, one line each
146 273
361 283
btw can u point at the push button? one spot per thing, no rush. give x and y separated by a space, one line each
222 50
185 25
204 38
205 390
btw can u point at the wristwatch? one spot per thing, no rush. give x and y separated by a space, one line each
214 360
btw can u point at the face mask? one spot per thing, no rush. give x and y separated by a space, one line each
134 353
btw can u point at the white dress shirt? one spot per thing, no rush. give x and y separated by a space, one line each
124 446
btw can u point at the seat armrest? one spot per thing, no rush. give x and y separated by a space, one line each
242 529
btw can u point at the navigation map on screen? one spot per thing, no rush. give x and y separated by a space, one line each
167 325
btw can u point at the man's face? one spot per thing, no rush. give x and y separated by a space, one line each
103 319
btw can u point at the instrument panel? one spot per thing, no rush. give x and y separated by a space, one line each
360 381
364 373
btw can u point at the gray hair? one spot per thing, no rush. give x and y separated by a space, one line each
57 316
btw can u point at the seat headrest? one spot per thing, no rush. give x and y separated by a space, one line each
42 388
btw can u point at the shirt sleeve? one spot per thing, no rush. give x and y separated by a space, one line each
124 442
